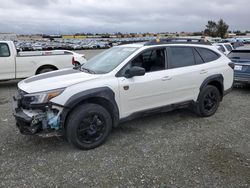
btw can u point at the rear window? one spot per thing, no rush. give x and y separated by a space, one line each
208 55
239 55
4 50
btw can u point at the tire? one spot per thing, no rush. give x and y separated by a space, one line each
208 101
44 70
88 126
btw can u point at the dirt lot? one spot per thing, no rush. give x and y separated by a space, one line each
176 149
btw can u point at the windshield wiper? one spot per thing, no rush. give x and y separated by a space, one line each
87 70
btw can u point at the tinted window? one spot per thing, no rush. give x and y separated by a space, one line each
207 55
229 48
4 50
181 57
239 55
151 60
198 58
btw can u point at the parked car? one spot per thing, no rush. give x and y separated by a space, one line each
78 59
15 65
241 59
226 48
122 83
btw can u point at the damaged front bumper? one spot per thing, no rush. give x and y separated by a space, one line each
42 121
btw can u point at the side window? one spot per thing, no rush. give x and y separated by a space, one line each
221 48
229 48
208 55
197 57
4 50
151 60
181 57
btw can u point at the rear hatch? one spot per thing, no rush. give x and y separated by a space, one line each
241 59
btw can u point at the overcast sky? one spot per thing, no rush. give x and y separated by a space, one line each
70 16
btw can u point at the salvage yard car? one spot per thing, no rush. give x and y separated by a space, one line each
122 83
241 59
14 65
226 48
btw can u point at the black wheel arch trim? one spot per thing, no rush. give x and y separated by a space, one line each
214 78
92 95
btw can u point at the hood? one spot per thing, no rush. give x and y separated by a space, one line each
54 80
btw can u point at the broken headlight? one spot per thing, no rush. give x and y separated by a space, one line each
42 97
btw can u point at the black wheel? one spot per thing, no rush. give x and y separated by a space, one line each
88 126
208 101
44 70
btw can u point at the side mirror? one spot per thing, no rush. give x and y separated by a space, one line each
135 71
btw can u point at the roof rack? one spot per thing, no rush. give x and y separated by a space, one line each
177 41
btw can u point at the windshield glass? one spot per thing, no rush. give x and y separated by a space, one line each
108 60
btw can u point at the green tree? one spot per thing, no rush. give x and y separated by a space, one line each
211 29
222 28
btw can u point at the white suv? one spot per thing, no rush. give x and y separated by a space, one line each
120 84
225 48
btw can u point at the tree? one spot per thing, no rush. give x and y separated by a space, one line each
222 28
218 29
211 29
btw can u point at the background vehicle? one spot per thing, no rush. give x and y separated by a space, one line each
226 48
15 65
120 84
241 59
78 59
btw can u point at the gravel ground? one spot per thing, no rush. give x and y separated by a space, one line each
175 149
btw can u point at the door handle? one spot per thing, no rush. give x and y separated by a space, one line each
166 78
203 71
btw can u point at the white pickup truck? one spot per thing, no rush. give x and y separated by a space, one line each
14 65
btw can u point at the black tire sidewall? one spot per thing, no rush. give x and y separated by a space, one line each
200 107
75 119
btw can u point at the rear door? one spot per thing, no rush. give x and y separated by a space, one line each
186 69
7 62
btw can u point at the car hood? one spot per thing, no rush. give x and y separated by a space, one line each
55 80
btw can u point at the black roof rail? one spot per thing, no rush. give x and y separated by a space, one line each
177 41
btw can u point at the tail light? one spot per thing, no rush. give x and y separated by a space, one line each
231 64
73 61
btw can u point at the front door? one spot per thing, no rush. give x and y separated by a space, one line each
148 91
7 63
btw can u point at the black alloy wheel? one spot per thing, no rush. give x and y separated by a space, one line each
92 128
88 126
208 101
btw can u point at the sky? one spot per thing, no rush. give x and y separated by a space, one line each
109 16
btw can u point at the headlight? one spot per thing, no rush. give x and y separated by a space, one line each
43 97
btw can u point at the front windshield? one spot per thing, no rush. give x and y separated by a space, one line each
108 60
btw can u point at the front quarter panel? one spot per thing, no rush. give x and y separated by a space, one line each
111 83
